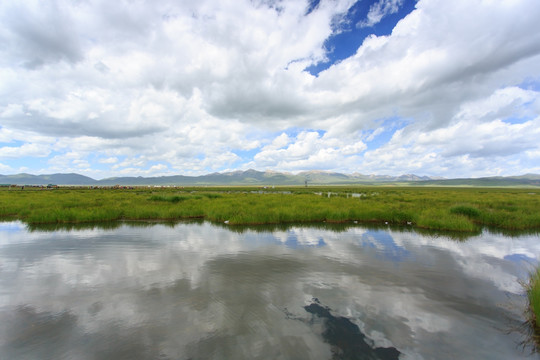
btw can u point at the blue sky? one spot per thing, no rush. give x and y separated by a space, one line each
146 88
349 34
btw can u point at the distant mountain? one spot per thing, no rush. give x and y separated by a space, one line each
528 177
268 178
523 180
58 179
139 181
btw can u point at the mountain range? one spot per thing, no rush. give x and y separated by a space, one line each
268 178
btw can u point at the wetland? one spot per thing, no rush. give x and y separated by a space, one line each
453 209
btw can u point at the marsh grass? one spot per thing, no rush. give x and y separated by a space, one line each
533 312
453 209
465 210
440 219
173 198
534 295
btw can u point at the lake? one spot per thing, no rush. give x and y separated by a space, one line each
206 291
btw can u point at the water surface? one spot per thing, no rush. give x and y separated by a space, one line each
201 291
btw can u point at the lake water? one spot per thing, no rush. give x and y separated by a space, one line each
202 291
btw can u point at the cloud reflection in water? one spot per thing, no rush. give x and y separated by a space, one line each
202 291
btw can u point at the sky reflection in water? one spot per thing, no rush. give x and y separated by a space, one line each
202 291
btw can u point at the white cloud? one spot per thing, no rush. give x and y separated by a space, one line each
64 160
436 59
503 103
24 150
5 168
191 84
110 160
375 133
477 141
533 154
309 150
279 142
379 10
32 41
156 168
11 110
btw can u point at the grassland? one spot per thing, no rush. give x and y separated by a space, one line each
455 209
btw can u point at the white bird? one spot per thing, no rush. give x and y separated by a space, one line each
226 221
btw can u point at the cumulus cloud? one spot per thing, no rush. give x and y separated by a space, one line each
478 141
110 160
39 34
191 85
23 151
308 150
5 168
436 58
379 10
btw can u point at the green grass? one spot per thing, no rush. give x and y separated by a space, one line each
533 294
172 199
465 210
453 209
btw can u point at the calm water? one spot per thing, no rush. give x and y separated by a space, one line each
201 291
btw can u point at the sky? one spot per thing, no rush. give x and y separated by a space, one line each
152 88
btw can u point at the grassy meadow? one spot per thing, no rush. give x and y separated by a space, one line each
454 209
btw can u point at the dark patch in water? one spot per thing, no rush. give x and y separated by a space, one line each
346 339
